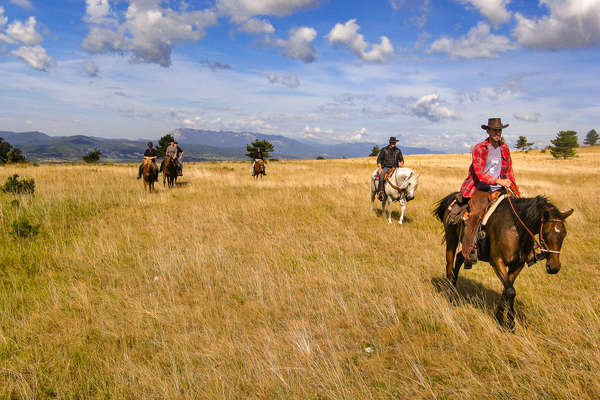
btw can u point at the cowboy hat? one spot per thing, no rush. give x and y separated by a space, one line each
393 139
494 123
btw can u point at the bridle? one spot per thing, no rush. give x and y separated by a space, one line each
541 245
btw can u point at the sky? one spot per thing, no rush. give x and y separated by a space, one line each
428 72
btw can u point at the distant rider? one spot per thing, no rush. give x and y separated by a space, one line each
258 156
176 153
490 171
389 157
150 152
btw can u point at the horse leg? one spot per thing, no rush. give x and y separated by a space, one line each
451 245
508 294
387 210
510 315
402 208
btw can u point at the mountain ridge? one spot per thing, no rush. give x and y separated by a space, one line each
198 144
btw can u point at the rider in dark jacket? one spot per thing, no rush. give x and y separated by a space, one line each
258 156
150 152
389 157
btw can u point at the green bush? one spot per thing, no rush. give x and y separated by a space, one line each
22 228
14 185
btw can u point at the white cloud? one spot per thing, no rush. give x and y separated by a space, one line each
22 3
477 43
571 24
35 56
347 35
359 134
288 80
429 107
241 10
148 33
4 21
92 69
534 117
25 32
257 26
494 10
96 10
299 45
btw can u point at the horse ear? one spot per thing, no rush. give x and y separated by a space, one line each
566 214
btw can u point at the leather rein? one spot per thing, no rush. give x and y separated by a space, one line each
541 245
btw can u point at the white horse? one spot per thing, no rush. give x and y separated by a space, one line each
401 186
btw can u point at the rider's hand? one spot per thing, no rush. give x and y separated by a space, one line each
504 182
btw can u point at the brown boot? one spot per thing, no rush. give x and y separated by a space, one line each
478 204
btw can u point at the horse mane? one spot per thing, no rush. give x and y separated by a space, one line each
531 210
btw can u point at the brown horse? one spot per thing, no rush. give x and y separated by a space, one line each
259 169
149 173
169 171
509 240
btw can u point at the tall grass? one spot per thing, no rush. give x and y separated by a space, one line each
290 287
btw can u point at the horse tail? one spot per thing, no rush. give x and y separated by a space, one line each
441 205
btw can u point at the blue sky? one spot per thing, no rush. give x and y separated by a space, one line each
428 72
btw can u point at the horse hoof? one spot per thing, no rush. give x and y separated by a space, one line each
399 222
390 221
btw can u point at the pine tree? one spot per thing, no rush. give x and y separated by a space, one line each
163 143
591 138
265 147
374 151
564 144
523 144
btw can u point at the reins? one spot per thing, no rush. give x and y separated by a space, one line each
541 244
401 187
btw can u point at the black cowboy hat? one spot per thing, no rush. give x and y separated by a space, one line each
393 139
150 144
494 123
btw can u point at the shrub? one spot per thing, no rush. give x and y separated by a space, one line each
14 185
320 158
92 156
22 228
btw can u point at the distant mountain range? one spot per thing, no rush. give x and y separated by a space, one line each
199 145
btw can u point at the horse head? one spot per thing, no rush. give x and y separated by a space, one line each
552 234
410 185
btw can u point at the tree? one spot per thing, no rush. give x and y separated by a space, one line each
374 151
10 154
591 138
15 155
92 156
163 142
5 147
564 144
523 144
265 147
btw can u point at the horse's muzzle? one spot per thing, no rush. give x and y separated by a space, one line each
409 198
552 270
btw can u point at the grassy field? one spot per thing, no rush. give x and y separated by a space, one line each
291 287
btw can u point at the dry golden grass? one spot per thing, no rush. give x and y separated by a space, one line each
290 287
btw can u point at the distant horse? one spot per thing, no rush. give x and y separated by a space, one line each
149 173
258 169
400 186
169 171
509 240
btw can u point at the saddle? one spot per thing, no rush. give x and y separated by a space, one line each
388 174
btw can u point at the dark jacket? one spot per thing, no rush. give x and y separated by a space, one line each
151 153
390 157
259 156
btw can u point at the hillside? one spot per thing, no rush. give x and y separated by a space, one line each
286 288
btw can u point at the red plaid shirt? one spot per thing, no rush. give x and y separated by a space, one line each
477 170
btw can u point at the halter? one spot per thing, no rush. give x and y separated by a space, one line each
541 245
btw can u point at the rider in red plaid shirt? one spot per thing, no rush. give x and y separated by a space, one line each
483 179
